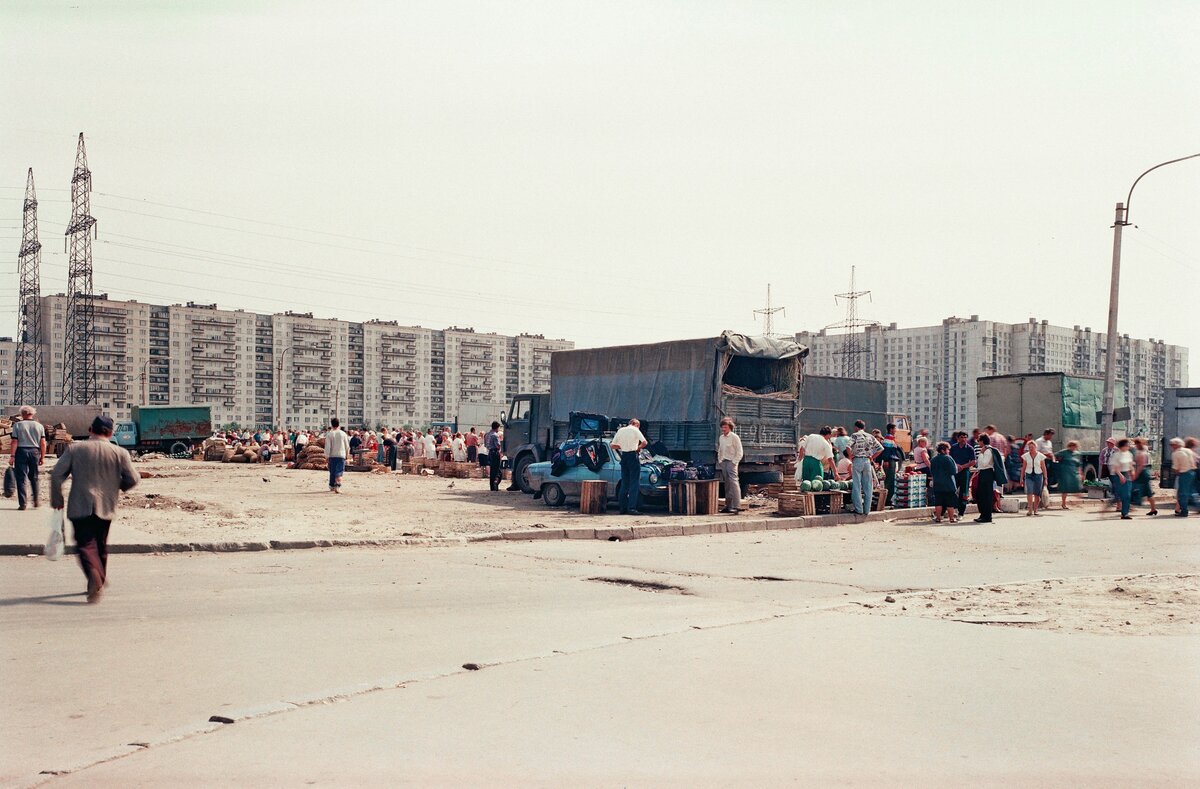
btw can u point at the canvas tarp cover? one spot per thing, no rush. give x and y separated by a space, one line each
1083 398
760 347
661 382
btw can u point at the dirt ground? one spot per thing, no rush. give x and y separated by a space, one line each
1128 605
191 501
196 501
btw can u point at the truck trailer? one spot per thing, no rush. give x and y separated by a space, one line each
830 401
1181 418
76 418
679 391
1033 402
168 429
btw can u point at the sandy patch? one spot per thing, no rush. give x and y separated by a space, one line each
1111 605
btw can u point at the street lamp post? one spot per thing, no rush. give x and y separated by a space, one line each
279 386
1110 356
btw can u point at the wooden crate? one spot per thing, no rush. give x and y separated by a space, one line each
593 496
806 503
692 496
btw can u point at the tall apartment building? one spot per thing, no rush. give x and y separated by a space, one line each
8 371
529 362
122 331
290 368
931 370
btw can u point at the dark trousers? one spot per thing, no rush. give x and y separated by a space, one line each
1184 484
962 480
631 480
337 467
1124 492
91 541
27 467
985 486
472 454
390 454
494 469
889 481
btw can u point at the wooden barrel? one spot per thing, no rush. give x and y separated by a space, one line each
593 497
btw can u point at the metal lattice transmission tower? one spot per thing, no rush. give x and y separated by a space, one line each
768 313
853 348
30 383
79 369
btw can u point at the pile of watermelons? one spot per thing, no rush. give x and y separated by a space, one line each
818 485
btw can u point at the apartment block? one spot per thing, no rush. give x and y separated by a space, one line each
931 370
529 362
122 350
397 374
290 368
8 371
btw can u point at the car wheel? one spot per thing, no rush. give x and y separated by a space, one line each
520 473
552 494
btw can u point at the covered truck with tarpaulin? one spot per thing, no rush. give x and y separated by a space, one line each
1070 405
679 390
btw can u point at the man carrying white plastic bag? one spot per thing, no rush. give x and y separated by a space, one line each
99 471
55 543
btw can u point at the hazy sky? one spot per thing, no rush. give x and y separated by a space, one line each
614 172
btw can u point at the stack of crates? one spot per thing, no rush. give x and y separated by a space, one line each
911 491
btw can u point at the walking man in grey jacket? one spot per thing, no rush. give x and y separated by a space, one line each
99 471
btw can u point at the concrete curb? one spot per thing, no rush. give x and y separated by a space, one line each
242 547
613 533
726 526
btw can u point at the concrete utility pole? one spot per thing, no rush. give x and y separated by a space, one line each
279 386
1113 340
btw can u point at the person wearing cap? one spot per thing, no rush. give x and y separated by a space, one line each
1183 463
99 472
28 452
1110 447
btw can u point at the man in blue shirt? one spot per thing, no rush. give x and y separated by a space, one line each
964 457
492 442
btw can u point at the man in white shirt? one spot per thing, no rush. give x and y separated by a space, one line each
816 456
28 452
629 442
729 455
337 446
1045 445
1183 463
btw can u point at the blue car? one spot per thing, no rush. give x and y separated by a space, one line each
555 490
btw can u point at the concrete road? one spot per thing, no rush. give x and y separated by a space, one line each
739 659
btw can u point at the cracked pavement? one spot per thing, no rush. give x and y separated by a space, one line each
715 660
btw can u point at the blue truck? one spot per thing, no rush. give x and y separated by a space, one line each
679 390
172 430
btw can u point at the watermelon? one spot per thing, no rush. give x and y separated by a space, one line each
818 484
806 486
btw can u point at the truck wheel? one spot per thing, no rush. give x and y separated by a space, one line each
179 448
552 494
1089 473
520 473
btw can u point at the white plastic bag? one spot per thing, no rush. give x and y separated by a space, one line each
55 543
